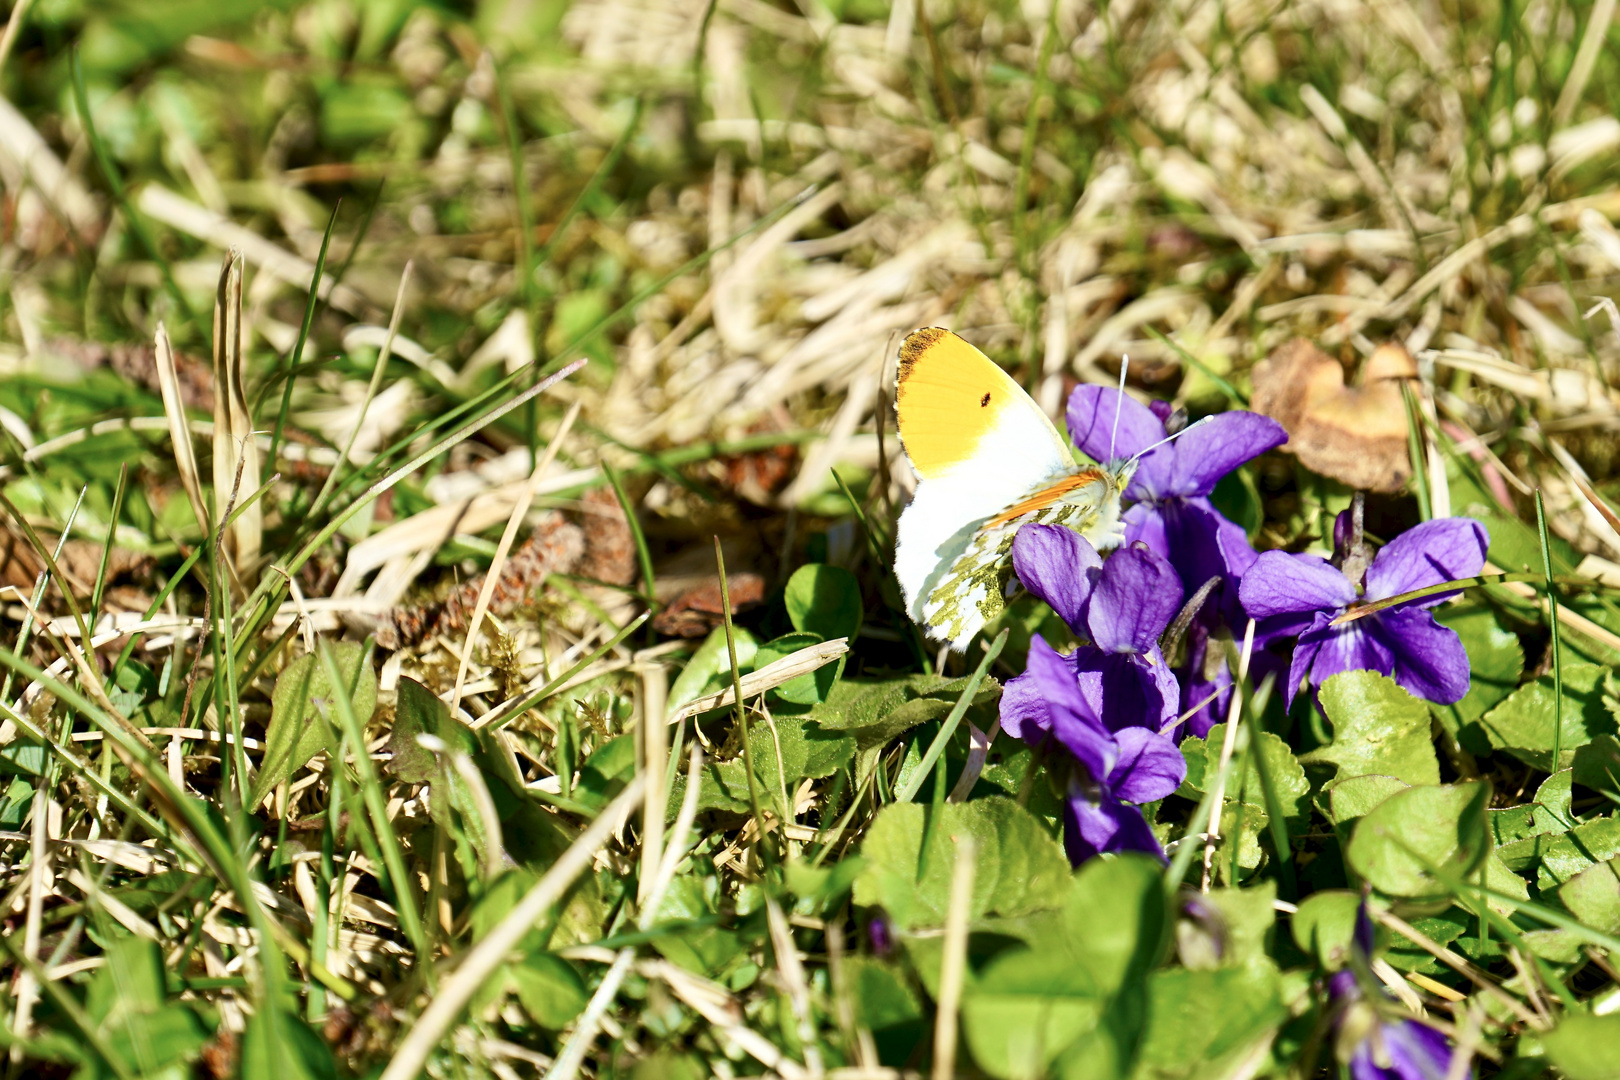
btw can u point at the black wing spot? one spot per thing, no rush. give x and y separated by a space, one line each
984 401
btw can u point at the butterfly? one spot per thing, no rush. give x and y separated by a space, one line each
988 461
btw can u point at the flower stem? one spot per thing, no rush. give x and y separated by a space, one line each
1361 611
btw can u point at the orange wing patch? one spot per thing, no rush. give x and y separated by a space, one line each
949 397
1046 496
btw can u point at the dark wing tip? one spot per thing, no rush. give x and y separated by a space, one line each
918 342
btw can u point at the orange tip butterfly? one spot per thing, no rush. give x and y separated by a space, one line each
988 461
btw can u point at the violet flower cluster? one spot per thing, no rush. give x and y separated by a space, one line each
1113 707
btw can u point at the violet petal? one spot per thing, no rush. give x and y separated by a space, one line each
1059 566
1136 596
1299 668
1091 426
1430 661
1349 647
1441 550
1149 767
1074 723
1282 584
1128 691
1417 1051
1213 448
1144 523
1103 827
1023 709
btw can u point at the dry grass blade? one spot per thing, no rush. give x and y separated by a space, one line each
1218 792
768 677
160 204
953 970
1459 965
490 953
653 734
174 409
236 450
492 576
711 1001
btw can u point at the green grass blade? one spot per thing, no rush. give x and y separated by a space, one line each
294 358
908 790
1237 397
376 801
119 492
1415 447
1552 623
643 553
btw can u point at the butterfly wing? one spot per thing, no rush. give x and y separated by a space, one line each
979 445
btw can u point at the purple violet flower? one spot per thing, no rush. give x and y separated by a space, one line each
1375 1045
1113 768
1378 1048
1173 514
1303 594
1122 607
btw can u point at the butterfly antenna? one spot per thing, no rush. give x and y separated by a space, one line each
1119 403
1172 438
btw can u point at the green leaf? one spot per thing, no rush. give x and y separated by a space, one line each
301 713
1548 813
279 1046
1495 662
419 712
1031 1006
131 980
1440 826
1115 916
497 902
1566 855
453 799
1025 1009
1378 728
709 670
609 768
1020 869
1597 765
1239 927
668 1065
875 713
1325 924
808 689
126 999
824 600
807 753
1352 799
1523 724
1203 1023
1293 789
548 988
1593 896
1442 929
886 1006
1583 1047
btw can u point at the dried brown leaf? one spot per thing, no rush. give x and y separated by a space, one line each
1354 434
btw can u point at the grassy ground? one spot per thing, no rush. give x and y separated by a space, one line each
729 211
